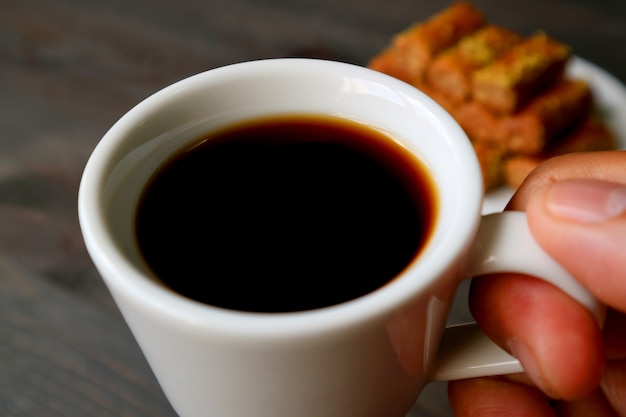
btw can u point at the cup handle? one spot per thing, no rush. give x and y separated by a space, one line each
503 244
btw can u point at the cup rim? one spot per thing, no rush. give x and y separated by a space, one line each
124 280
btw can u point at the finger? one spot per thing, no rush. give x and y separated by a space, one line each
557 364
582 225
604 166
571 249
557 341
614 385
496 397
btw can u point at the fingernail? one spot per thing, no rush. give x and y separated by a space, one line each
586 201
520 350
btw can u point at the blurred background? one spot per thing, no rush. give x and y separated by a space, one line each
70 68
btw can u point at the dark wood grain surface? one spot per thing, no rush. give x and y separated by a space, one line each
70 68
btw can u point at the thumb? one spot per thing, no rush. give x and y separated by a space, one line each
582 225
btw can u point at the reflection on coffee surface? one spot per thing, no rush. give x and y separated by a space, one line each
285 214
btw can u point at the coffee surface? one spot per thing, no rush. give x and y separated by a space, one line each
285 214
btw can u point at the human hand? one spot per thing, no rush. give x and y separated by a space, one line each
576 208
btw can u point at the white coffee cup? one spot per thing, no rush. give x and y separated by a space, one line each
368 357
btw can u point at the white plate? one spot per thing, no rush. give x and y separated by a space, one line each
610 99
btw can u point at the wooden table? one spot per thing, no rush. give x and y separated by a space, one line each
70 68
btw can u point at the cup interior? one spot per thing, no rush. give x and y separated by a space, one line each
180 114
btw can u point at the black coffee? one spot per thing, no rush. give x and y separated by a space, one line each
285 214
